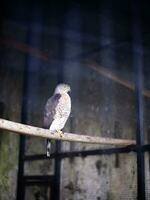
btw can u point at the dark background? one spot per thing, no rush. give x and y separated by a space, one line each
93 46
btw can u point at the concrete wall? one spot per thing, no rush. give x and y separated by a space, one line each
49 43
10 101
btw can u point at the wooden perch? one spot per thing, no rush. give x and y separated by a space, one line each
45 133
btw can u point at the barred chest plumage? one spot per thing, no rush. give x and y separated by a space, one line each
64 106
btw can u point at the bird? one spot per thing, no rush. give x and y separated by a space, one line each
57 111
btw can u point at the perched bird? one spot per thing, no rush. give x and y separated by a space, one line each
57 111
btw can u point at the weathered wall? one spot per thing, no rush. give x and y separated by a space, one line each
11 83
97 104
63 40
10 100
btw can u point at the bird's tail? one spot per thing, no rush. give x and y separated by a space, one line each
48 148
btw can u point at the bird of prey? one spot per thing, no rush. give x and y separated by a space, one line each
57 111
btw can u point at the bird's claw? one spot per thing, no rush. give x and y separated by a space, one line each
60 133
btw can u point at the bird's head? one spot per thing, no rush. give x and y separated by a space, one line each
62 88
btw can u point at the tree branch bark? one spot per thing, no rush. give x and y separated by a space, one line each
71 137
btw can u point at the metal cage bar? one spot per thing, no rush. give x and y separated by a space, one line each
138 66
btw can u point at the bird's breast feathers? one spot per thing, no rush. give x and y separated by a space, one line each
63 107
57 111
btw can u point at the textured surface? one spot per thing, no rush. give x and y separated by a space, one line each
46 37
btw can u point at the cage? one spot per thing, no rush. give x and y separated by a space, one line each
101 49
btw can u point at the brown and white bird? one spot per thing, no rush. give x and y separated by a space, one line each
57 111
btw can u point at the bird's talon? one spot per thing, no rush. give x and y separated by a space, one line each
60 133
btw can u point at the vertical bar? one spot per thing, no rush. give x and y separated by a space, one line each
138 65
20 183
25 97
57 169
60 79
140 136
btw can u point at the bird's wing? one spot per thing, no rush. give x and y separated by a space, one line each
50 110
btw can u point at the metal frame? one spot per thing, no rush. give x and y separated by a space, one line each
20 182
139 149
138 66
54 180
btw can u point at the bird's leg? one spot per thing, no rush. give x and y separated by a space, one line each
59 132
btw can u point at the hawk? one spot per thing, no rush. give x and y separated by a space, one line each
57 111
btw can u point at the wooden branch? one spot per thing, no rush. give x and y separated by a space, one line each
45 133
107 73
